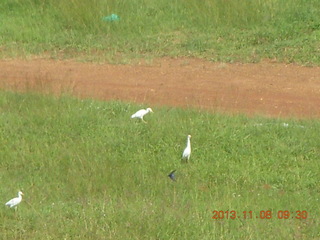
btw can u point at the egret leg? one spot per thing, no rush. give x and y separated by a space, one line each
15 211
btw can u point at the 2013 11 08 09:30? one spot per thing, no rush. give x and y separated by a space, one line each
263 214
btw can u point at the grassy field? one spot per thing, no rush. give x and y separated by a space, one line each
217 30
88 171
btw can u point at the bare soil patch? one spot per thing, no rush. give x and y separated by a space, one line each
268 89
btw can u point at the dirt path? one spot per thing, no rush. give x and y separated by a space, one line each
269 89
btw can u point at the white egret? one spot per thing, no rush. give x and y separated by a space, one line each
15 201
140 114
187 151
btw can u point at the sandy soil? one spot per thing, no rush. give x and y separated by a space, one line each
268 89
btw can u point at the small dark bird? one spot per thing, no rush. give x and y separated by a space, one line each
172 176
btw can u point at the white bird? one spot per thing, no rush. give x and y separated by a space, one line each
15 201
187 151
140 114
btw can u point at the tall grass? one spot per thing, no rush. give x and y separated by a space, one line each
88 171
217 30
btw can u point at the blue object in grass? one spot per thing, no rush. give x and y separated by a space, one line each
111 18
172 176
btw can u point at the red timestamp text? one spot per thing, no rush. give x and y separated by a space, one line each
263 214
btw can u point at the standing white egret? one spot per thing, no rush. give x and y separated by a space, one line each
15 201
140 114
187 151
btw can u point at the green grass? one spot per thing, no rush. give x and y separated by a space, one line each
217 30
88 171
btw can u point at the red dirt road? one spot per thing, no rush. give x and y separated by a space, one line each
268 89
